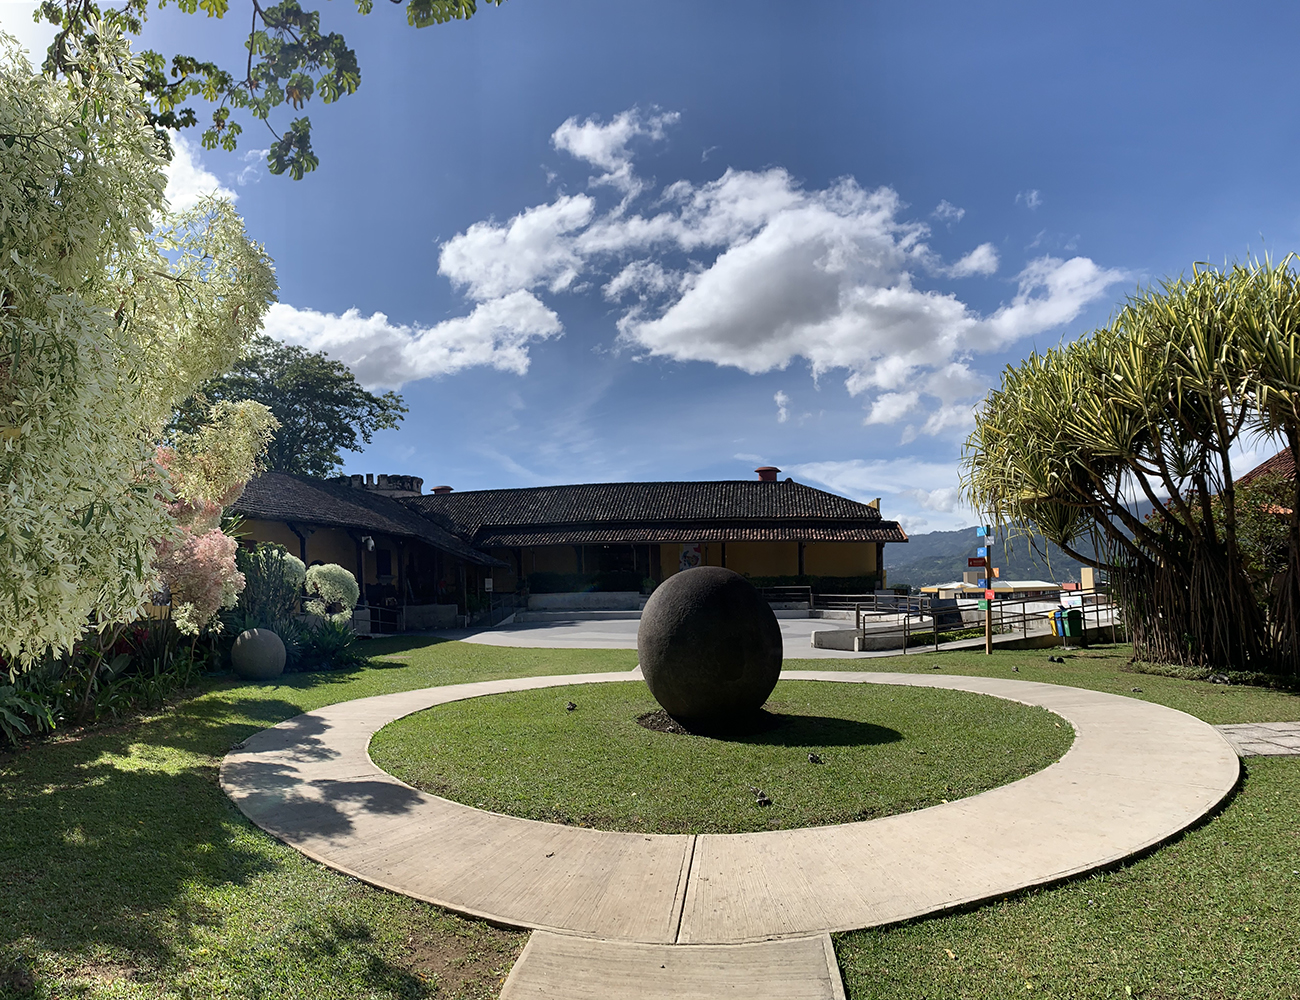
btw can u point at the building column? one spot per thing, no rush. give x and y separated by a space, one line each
303 534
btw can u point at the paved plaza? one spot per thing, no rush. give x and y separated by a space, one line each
620 633
1264 739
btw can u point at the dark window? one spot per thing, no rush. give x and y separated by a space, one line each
383 562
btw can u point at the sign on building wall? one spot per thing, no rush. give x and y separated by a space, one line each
691 556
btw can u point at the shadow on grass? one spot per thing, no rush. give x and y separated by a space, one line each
400 644
776 729
821 731
121 842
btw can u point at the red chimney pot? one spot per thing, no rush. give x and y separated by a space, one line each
440 490
767 473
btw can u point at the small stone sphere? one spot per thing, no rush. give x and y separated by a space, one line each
710 647
257 655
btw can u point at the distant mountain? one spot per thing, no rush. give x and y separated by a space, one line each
940 557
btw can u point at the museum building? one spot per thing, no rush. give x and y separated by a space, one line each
411 549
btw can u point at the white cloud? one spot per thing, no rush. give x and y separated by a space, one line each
891 407
187 179
982 260
909 485
825 276
254 162
750 270
753 271
782 407
606 146
496 334
1051 292
643 278
947 212
1032 198
534 248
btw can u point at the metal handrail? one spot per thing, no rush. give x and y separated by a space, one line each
1005 618
793 594
880 603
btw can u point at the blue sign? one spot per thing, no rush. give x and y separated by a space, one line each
982 531
982 552
983 582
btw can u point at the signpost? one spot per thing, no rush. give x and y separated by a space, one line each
984 558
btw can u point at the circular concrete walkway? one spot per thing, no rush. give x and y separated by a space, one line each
1136 775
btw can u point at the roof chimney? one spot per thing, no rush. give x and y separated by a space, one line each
441 490
767 473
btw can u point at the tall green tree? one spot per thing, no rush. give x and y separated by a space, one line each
288 61
1152 407
320 405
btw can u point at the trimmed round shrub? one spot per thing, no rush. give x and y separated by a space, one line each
332 592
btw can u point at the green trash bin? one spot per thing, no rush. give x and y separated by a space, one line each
1073 619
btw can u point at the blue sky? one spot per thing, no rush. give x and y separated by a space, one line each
640 241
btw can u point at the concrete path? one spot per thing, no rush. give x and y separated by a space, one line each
1264 739
556 965
1136 775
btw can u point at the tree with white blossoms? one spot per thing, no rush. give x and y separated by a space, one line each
111 312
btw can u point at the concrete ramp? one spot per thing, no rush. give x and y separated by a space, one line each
562 967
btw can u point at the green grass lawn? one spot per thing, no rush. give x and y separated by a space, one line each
884 749
124 872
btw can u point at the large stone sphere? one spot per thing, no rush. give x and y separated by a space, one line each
257 655
710 647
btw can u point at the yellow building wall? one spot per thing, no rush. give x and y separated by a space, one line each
276 532
330 545
839 558
333 545
763 558
746 558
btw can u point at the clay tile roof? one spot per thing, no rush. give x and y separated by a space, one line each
278 496
1280 464
728 510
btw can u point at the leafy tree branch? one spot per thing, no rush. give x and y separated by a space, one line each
289 60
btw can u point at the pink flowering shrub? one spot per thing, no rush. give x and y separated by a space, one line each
206 472
199 571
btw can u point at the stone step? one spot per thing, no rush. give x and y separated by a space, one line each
527 617
523 617
564 967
